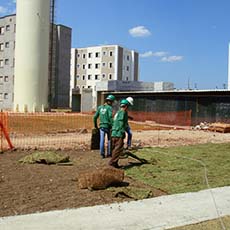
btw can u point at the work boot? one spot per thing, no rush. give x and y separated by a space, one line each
115 165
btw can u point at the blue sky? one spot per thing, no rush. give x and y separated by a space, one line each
180 41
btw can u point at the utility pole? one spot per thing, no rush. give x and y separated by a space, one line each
188 83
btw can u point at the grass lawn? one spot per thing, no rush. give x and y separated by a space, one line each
186 169
207 225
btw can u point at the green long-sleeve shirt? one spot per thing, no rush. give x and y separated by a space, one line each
120 123
104 112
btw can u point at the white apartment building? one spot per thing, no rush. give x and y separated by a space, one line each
92 65
59 77
7 61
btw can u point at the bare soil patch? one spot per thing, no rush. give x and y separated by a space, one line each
29 188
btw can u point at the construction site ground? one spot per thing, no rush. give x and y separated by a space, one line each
31 188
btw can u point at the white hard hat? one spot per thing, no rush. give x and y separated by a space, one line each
130 100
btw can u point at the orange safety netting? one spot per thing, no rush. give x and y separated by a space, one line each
182 118
61 130
5 138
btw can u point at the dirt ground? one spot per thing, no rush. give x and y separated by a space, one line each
30 188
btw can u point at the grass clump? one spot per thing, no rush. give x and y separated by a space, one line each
46 157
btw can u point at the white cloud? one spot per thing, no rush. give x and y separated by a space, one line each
172 58
153 54
139 31
147 54
3 10
160 54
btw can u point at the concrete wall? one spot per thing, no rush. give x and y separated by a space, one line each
162 86
134 86
86 100
62 76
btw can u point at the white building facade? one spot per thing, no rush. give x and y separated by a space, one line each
7 60
59 69
92 65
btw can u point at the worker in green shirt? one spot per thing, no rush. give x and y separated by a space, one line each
104 113
120 124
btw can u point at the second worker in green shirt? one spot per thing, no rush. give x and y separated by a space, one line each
104 113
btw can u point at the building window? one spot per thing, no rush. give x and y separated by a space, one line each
127 68
111 53
127 78
89 86
96 77
78 55
83 55
97 54
89 55
89 66
7 44
110 65
1 63
83 77
103 75
89 77
103 64
1 30
6 79
7 27
1 46
104 53
7 61
78 66
97 66
14 27
13 62
110 76
83 66
127 57
5 95
1 79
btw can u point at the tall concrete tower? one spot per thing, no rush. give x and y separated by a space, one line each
32 55
228 66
